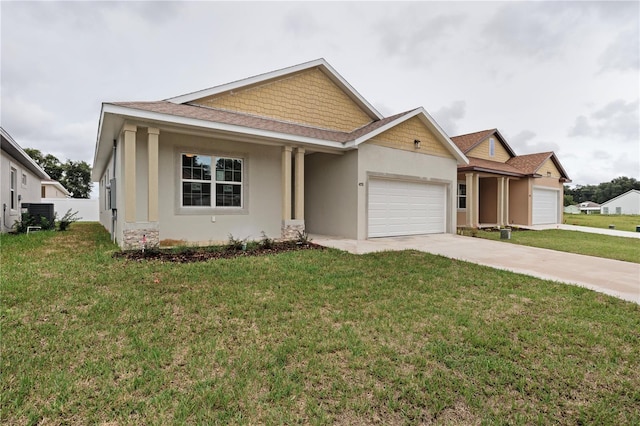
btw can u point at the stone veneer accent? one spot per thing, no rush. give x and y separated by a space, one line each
291 229
133 237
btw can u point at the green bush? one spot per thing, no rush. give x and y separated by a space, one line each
67 220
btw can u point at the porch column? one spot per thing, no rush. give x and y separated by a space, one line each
506 202
471 180
286 183
299 185
153 133
129 131
501 203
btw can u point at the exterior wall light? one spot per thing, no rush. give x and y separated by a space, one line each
416 143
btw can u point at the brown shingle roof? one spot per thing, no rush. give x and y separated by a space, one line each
468 141
255 122
530 163
491 166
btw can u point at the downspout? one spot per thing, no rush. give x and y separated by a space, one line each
114 210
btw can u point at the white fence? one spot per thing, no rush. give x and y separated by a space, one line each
88 209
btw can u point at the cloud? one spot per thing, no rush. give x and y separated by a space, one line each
623 53
531 30
447 116
300 24
618 119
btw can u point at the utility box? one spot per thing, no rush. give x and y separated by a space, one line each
40 211
112 194
505 234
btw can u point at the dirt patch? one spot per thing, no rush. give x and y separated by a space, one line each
201 254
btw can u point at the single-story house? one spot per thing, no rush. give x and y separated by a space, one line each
589 207
54 189
293 150
20 182
573 209
627 203
500 188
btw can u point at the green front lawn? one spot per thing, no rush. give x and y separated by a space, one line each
621 222
317 336
618 248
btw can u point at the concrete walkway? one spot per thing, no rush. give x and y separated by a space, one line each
613 277
612 232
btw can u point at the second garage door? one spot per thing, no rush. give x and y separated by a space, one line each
545 206
405 208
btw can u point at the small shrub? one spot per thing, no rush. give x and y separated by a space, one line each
236 244
67 220
302 237
26 220
266 242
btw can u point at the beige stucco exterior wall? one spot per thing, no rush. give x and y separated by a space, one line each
520 202
403 135
308 97
262 196
51 191
488 209
379 161
29 193
331 194
482 151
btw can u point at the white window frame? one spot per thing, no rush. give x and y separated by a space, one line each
13 190
492 147
24 180
213 182
459 196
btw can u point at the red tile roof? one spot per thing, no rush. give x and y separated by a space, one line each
255 122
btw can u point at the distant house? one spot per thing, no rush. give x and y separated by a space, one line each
54 189
589 207
572 209
20 182
627 203
501 188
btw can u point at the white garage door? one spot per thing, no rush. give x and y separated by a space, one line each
545 206
405 208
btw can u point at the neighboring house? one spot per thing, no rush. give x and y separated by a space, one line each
20 181
292 150
627 203
500 188
54 189
572 209
589 207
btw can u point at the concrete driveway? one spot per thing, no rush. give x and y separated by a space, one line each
613 277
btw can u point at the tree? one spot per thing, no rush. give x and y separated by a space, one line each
602 192
568 200
75 176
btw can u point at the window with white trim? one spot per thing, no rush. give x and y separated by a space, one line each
462 196
492 147
14 201
24 179
202 188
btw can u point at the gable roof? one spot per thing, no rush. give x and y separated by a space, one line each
483 165
470 140
631 191
321 64
10 146
57 185
178 112
531 163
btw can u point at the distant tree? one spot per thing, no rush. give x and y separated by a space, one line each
568 200
602 192
75 176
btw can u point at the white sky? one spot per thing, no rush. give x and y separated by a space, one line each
561 76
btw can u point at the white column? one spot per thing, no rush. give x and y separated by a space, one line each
153 135
129 131
286 183
299 185
470 199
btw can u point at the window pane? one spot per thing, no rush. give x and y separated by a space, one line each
462 203
462 189
228 195
196 194
228 176
237 176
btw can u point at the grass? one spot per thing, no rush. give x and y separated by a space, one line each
621 222
606 246
311 337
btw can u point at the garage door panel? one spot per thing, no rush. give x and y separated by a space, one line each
405 208
545 206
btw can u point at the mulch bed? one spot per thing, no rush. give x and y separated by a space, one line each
201 254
